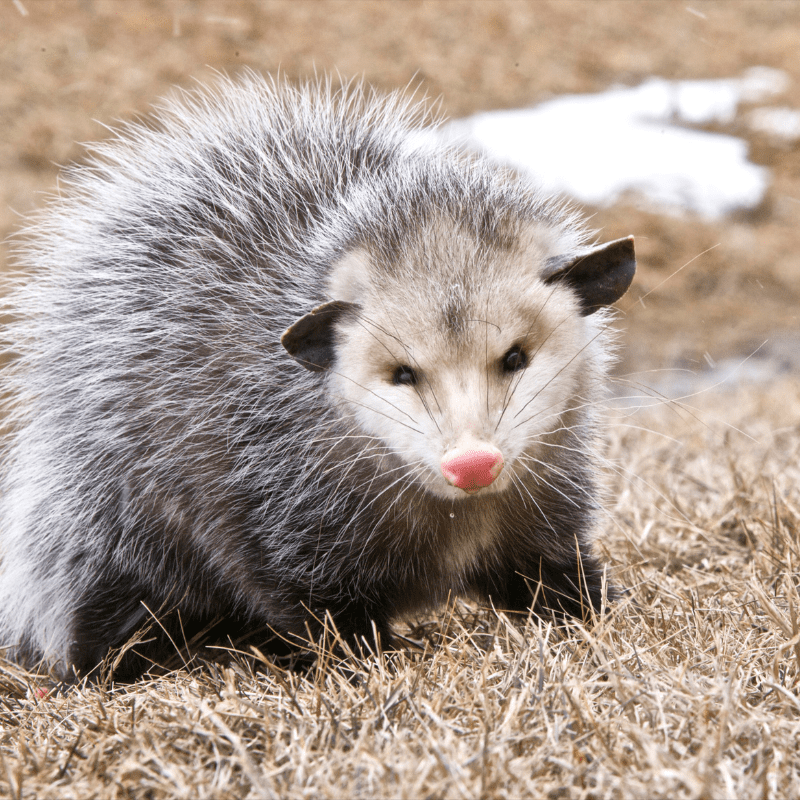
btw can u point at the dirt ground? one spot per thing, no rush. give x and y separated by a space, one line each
68 67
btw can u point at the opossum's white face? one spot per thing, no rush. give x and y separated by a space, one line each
460 370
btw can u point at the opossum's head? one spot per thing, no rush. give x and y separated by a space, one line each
460 355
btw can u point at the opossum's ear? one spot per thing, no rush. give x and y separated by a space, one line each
310 340
600 277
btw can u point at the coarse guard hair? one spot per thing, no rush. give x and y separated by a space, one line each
278 352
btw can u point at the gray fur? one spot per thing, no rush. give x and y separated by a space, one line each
162 446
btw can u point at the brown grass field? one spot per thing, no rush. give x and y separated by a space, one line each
688 687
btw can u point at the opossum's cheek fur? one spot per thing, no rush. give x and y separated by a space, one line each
371 403
398 415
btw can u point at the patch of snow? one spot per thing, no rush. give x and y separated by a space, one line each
600 147
780 122
773 359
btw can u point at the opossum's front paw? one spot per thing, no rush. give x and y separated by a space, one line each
550 590
354 629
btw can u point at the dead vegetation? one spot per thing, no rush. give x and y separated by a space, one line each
688 687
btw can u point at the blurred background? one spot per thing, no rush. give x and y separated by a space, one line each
713 287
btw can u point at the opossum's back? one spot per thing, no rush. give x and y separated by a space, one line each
169 265
252 164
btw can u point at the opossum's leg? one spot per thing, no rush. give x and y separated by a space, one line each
366 630
105 619
565 589
361 626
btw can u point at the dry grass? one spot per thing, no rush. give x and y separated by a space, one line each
687 688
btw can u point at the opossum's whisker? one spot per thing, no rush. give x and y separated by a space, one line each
560 412
639 300
653 393
520 484
486 322
388 402
540 478
660 434
512 387
346 465
367 502
405 482
364 455
580 350
361 319
627 376
364 506
619 470
411 358
678 400
425 402
676 406
583 490
486 361
375 410
514 384
486 325
419 394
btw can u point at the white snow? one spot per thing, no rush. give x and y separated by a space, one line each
634 141
778 121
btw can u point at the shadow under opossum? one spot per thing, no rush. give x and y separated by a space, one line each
165 643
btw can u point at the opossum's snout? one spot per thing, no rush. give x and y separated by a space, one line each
472 468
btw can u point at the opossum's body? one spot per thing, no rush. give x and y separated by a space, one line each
431 435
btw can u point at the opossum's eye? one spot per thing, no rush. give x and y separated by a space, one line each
404 376
514 360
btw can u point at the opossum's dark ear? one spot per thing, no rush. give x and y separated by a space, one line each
310 340
600 277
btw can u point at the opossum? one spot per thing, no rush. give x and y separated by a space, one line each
278 355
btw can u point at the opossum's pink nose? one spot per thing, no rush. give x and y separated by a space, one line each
471 469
